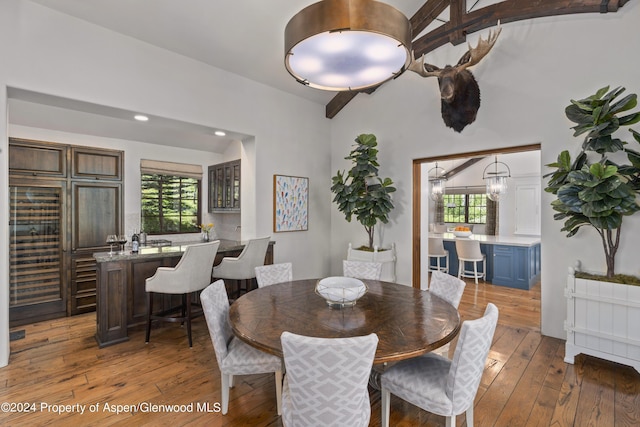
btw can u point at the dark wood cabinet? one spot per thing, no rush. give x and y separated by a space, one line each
64 200
224 187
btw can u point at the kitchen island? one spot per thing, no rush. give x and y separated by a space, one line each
512 261
121 301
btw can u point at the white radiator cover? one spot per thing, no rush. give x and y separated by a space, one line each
603 320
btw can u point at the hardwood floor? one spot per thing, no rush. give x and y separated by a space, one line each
525 383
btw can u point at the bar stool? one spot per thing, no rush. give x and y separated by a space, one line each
437 251
191 274
242 267
469 251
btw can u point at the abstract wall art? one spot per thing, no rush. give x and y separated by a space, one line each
290 203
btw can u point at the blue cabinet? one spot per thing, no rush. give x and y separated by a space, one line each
507 265
516 266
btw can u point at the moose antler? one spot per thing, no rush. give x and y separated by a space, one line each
470 58
474 55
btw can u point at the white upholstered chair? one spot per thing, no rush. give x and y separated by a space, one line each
362 269
437 251
326 380
242 267
191 274
450 289
468 250
439 385
274 273
233 355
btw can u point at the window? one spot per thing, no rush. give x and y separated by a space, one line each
170 204
465 208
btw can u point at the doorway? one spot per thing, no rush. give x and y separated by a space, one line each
420 192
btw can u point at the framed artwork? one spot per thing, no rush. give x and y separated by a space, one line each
290 203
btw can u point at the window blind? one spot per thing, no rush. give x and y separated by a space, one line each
171 168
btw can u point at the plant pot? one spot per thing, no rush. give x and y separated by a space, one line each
602 319
386 256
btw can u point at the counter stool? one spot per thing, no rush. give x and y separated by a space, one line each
437 251
242 268
469 251
191 274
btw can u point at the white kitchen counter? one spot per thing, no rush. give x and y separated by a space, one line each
526 241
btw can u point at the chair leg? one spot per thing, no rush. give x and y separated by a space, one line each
279 392
451 421
149 310
225 392
386 406
460 267
470 416
188 317
475 271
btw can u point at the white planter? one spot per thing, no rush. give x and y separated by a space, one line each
387 257
602 320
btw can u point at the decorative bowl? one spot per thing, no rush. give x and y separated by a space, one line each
461 233
341 291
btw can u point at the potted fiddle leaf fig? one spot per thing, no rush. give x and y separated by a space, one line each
597 192
360 192
593 190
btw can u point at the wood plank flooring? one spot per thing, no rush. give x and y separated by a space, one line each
525 383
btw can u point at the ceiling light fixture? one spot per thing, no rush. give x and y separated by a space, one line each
437 184
496 181
341 45
141 118
220 133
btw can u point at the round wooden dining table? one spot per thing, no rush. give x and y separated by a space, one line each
408 321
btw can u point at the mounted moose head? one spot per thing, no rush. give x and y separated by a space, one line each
459 90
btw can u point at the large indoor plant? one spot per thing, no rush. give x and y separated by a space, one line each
360 192
594 190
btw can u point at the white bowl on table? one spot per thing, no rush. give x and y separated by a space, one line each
462 233
341 291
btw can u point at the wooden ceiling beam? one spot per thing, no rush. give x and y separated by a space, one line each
505 11
455 171
427 13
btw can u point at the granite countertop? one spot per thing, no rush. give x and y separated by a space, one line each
162 251
511 240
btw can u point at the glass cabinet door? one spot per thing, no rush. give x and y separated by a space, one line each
35 250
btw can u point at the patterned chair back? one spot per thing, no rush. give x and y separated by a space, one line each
469 358
274 273
326 380
447 287
362 269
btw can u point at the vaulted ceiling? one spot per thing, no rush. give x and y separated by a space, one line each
247 38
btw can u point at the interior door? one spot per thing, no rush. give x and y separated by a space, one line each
37 278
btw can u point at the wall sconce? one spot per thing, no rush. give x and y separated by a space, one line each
341 45
437 183
496 180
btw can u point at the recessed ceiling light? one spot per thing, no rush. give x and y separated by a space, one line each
220 133
141 118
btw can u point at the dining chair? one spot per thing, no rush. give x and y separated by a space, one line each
191 274
362 269
241 269
274 273
437 251
450 289
439 385
326 380
234 356
468 250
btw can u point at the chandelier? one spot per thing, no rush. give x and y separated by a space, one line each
437 183
342 45
496 180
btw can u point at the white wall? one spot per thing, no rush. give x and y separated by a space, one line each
526 81
48 52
